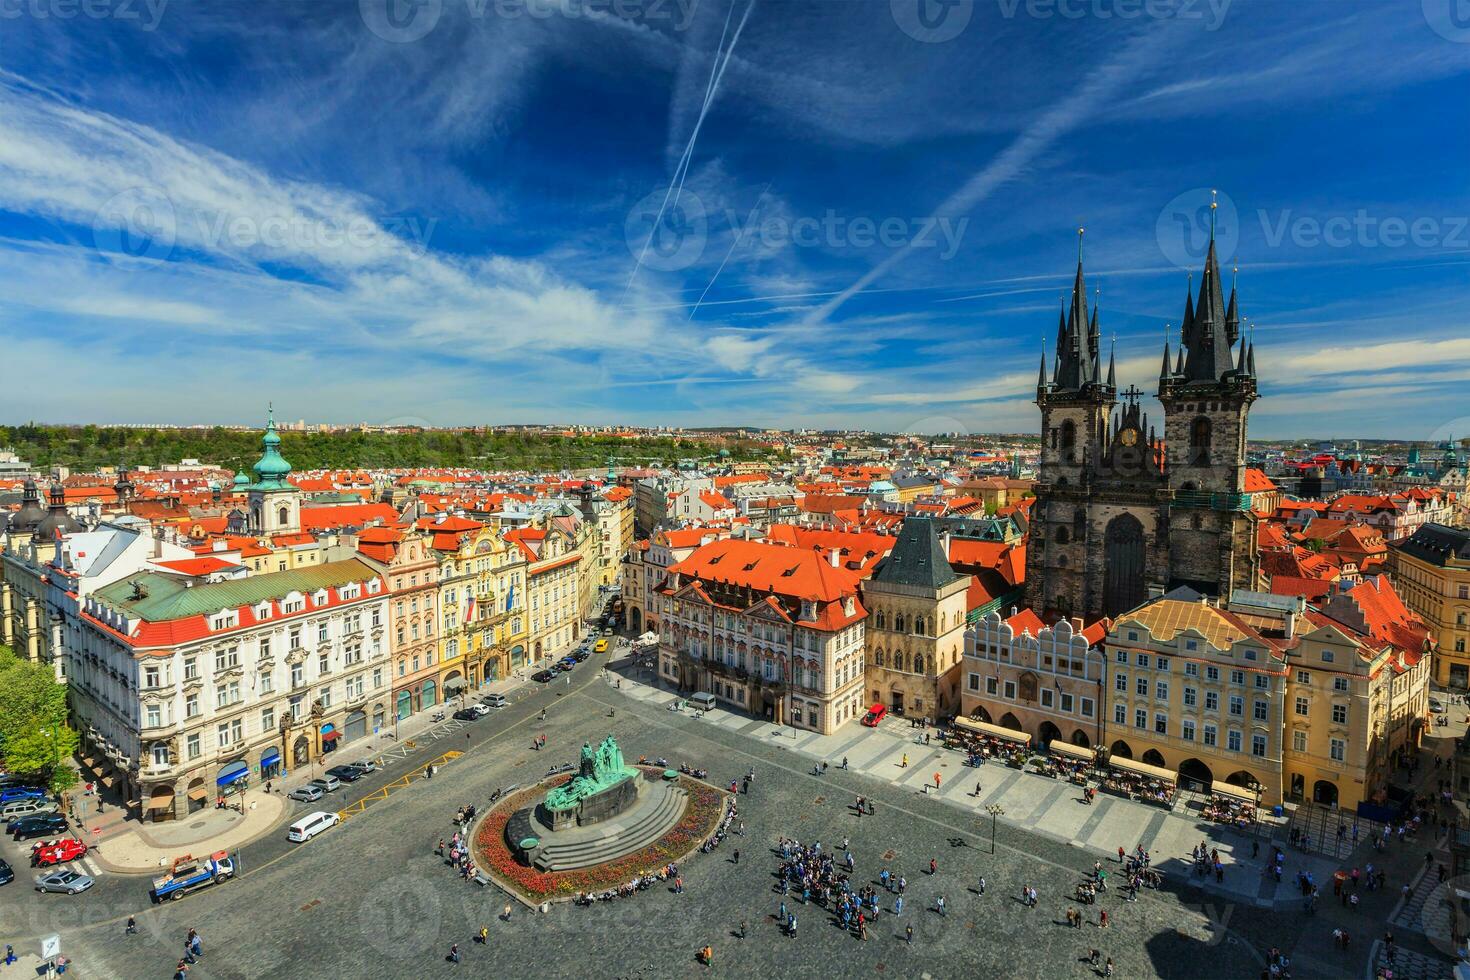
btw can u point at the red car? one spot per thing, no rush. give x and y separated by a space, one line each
58 852
875 714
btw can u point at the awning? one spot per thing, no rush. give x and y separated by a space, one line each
1143 769
995 731
1069 751
1232 792
232 772
199 793
331 736
269 758
161 802
454 683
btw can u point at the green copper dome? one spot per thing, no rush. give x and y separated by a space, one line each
242 480
272 469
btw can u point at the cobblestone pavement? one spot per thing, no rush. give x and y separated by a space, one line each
370 899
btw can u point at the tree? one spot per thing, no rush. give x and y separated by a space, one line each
35 740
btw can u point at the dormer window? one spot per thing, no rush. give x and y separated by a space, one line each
374 585
263 611
320 598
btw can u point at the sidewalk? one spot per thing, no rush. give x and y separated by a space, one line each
128 847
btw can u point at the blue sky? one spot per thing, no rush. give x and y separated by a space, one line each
684 212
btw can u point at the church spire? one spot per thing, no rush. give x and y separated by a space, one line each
1078 360
1208 356
1113 364
1041 378
1232 313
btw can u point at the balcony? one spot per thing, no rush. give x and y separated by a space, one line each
1204 500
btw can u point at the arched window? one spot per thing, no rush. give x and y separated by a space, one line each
881 619
898 622
898 660
1200 434
1069 434
1063 534
1079 523
919 625
878 657
283 516
918 663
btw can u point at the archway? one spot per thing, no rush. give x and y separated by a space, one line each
1243 778
517 656
198 794
1079 737
1324 793
161 803
405 705
980 714
355 726
430 694
1195 771
635 621
301 751
1153 757
1121 749
490 672
453 684
537 652
1124 587
1048 733
1010 721
378 717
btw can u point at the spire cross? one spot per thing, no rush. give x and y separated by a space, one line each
1213 205
1132 393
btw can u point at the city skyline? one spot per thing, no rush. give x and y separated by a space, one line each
453 229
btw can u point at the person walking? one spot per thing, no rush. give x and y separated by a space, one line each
1102 919
933 867
898 905
737 855
939 905
131 929
1108 967
791 926
484 937
981 883
506 914
905 763
742 928
453 956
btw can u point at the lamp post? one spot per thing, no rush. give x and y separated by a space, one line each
995 810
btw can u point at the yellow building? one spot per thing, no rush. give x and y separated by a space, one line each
1431 570
481 579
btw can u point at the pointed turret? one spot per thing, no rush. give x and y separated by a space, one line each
1079 357
1164 368
1232 313
1240 360
1250 360
1179 362
1041 377
1113 366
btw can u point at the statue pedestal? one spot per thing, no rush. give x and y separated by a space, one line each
603 805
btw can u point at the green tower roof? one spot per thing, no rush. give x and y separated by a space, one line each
272 469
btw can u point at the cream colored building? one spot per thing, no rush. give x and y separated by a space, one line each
1431 570
915 633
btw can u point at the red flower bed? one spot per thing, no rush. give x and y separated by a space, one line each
493 854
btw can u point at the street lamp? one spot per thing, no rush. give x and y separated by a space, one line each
995 810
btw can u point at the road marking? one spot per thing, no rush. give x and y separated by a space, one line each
386 790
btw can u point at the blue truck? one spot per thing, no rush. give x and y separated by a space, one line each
191 874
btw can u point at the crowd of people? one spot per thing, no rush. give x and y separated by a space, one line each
1237 813
1138 787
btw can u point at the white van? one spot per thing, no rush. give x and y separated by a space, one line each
702 702
310 825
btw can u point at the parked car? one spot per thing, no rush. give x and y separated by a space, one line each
347 774
306 794
601 646
24 808
21 793
579 656
327 783
39 825
875 714
479 709
1436 706
365 766
310 825
67 882
494 701
57 852
466 714
6 874
543 677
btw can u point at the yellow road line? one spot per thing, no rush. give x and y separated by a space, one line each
381 793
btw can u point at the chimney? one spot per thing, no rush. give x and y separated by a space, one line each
834 558
944 544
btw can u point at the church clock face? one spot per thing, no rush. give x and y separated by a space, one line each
1129 437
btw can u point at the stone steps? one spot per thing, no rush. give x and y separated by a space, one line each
648 826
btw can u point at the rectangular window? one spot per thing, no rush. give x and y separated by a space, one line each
1258 745
1339 714
1141 686
151 676
1191 644
1212 701
992 686
1338 750
1260 710
1209 736
267 720
1048 697
1303 707
1067 703
1143 660
1237 677
1303 677
1140 718
1087 707
1191 670
1212 673
1237 705
1232 740
191 668
1161 690
1191 697
191 746
973 681
222 736
191 705
1339 683
1327 656
265 647
325 696
1120 682
1122 657
1299 741
321 633
267 682
1161 663
1161 723
1120 714
323 665
1262 681
155 715
1011 690
1186 729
